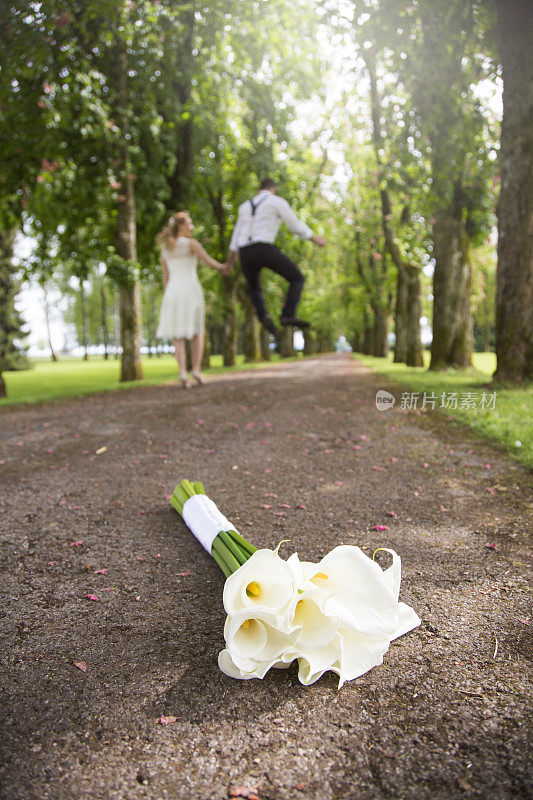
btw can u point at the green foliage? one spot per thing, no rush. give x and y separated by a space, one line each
212 101
12 335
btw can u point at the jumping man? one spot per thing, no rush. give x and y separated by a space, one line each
253 237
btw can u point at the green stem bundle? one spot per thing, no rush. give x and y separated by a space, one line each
229 550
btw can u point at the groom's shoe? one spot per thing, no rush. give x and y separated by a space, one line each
271 328
295 322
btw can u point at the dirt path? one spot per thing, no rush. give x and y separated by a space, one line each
443 717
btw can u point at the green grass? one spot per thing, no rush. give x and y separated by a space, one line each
71 377
509 422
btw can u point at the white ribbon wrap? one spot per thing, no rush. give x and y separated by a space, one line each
205 520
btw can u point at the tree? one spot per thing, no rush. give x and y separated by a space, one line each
454 127
435 55
12 356
408 344
22 133
514 304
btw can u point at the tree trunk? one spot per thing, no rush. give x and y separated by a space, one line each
130 330
53 354
116 321
252 340
206 355
408 346
452 319
84 322
380 346
229 345
264 337
400 319
368 333
151 324
105 327
180 181
309 342
413 355
287 342
125 242
514 294
7 242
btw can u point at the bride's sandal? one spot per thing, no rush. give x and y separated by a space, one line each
198 378
185 383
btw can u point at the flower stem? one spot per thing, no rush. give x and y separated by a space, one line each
188 487
181 495
221 563
239 554
175 503
225 554
244 544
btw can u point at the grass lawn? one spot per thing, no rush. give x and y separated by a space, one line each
509 422
70 377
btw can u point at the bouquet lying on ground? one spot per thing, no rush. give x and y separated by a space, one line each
340 614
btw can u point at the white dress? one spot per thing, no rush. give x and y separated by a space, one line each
183 307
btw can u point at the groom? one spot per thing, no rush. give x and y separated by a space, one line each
253 237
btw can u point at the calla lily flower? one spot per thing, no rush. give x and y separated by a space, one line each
257 636
264 581
244 668
363 595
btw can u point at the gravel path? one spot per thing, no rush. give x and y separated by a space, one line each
443 717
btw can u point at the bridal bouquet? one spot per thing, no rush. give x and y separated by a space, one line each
340 614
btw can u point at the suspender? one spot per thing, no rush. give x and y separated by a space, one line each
255 206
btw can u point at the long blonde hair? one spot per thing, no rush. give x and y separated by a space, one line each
171 231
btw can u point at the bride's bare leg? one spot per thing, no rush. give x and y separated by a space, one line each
197 351
179 352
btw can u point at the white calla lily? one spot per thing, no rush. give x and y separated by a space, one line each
363 596
340 615
260 636
244 669
312 627
264 581
359 653
313 663
408 619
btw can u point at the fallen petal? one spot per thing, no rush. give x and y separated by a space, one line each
165 720
245 792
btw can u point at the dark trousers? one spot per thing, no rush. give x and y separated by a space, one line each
254 258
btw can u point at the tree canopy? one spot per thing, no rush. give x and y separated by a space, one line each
377 118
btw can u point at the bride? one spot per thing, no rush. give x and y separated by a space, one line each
182 313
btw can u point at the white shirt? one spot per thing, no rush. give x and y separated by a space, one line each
271 211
